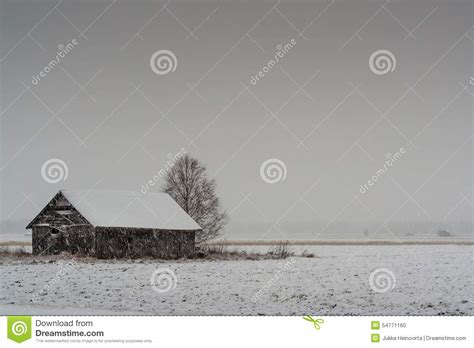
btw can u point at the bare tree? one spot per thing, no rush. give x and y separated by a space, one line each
188 184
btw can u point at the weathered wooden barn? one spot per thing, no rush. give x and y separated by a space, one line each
113 224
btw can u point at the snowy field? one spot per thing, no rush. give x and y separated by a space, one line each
422 280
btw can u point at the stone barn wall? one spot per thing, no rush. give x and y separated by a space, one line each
48 240
114 242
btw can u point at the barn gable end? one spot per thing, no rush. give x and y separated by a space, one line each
57 213
60 227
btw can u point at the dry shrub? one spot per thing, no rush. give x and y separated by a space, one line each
306 253
221 251
216 249
280 251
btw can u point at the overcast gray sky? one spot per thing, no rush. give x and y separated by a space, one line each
320 109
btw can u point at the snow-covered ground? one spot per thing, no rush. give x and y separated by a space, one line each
422 280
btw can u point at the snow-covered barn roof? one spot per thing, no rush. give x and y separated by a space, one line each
128 209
